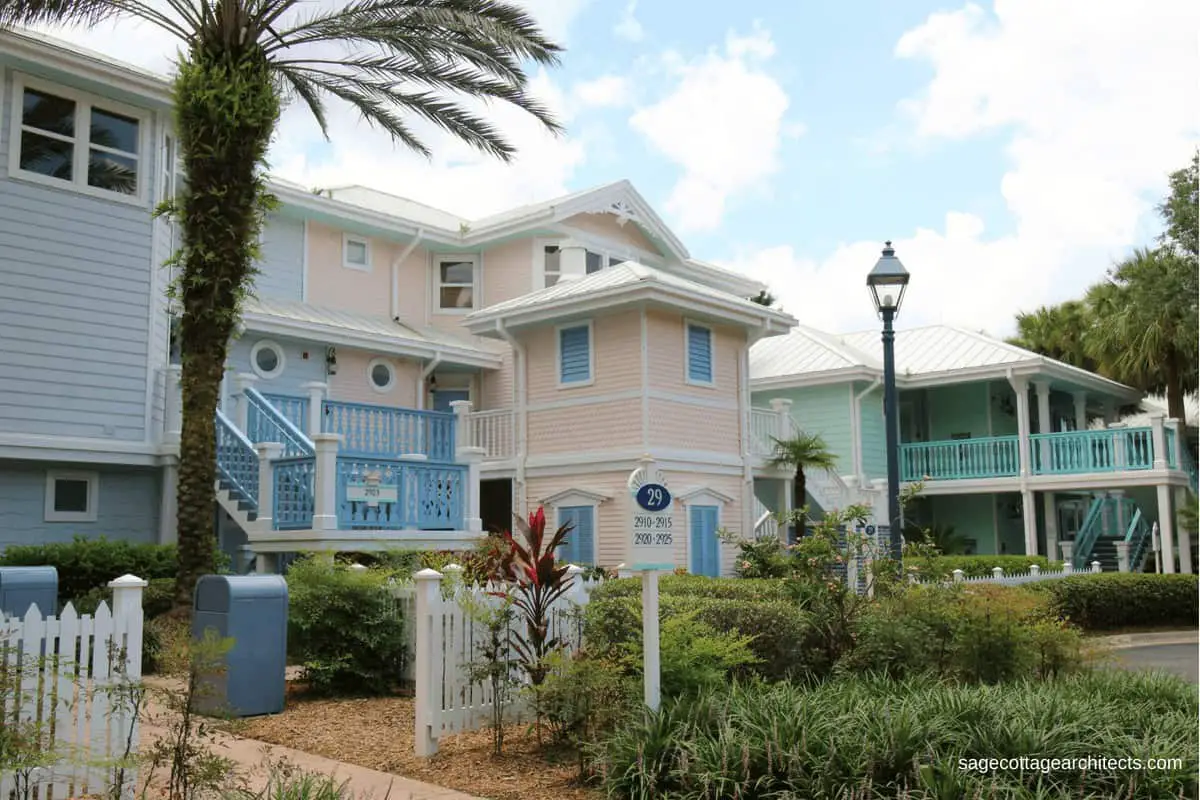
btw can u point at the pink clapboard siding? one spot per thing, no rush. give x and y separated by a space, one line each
496 385
668 365
608 227
352 381
692 427
616 340
585 428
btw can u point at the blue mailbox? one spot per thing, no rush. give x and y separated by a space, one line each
253 611
22 587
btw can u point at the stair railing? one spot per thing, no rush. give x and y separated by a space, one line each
1137 536
266 423
237 460
1089 532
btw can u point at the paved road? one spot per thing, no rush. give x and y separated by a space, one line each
1180 659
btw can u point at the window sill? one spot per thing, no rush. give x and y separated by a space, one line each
38 179
577 384
700 384
356 267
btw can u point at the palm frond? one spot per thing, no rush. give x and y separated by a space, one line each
804 450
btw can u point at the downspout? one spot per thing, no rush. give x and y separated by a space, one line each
396 262
857 454
425 373
519 410
745 400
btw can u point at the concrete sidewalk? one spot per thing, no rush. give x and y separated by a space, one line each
1124 641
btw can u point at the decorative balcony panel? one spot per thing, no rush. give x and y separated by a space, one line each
294 492
295 409
393 494
237 461
1078 452
385 432
991 457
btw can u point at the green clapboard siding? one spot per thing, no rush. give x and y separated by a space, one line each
820 409
971 516
873 432
960 408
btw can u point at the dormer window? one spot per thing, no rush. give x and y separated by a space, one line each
455 290
551 264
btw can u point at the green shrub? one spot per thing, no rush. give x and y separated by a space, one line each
1105 601
873 737
344 628
782 641
87 564
981 566
697 586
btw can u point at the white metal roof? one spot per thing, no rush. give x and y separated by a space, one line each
802 351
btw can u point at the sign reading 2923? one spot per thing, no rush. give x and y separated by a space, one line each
654 527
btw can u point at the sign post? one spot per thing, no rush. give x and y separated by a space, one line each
653 552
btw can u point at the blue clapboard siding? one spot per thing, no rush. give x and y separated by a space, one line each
575 354
75 288
699 354
706 552
580 546
127 507
297 370
281 268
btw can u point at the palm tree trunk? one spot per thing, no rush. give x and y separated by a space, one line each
226 110
1175 403
800 499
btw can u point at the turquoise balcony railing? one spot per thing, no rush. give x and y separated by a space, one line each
294 408
394 494
384 432
237 461
266 423
991 457
1075 452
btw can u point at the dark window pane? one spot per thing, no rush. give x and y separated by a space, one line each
595 262
267 359
112 172
551 279
612 262
115 131
46 156
457 272
381 376
48 113
71 495
456 297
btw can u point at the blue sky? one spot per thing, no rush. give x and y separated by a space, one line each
1013 150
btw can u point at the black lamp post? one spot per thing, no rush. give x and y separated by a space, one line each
887 282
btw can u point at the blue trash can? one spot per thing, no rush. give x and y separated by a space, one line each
22 587
253 611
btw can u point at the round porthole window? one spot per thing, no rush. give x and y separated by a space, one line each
381 374
267 359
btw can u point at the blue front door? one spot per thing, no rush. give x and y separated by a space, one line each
705 549
442 398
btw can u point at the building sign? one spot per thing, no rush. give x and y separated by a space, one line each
369 491
652 525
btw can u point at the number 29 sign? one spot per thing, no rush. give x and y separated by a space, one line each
652 528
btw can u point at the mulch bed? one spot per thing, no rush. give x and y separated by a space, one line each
378 733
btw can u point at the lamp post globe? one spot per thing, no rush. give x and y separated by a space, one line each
887 282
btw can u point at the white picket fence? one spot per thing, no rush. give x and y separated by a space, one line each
1034 574
446 640
64 681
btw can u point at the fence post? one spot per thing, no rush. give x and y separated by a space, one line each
1035 570
997 573
576 593
958 576
1068 555
473 456
241 382
453 573
1095 566
1122 556
127 619
316 406
428 657
463 436
325 481
267 452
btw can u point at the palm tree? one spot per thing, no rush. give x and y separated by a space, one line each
240 62
802 451
1057 332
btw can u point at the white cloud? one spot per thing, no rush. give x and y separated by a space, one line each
1099 102
628 27
457 179
607 91
722 124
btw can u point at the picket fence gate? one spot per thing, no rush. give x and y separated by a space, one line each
64 684
446 639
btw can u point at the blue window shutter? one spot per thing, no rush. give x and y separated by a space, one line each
574 349
706 557
580 546
699 341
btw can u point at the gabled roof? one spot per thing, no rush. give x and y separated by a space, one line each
620 285
379 334
926 356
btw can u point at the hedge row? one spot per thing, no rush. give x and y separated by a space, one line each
85 565
980 566
1124 600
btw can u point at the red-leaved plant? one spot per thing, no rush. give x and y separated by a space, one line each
540 582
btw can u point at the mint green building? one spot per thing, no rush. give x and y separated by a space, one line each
1019 453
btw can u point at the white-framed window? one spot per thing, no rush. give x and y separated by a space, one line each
576 358
698 353
356 252
551 255
72 496
579 548
267 359
381 375
454 278
596 260
67 138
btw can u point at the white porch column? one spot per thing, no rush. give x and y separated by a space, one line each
267 452
1122 518
241 382
1185 536
172 404
783 417
1122 556
1171 428
317 392
1166 528
473 456
1158 437
572 259
462 424
325 488
1029 517
1020 386
168 508
1081 418
1049 502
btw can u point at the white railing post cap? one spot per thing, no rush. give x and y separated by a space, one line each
574 569
453 568
427 574
128 582
997 572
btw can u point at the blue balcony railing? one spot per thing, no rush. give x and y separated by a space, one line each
294 492
993 457
294 408
383 432
237 461
1074 452
393 494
